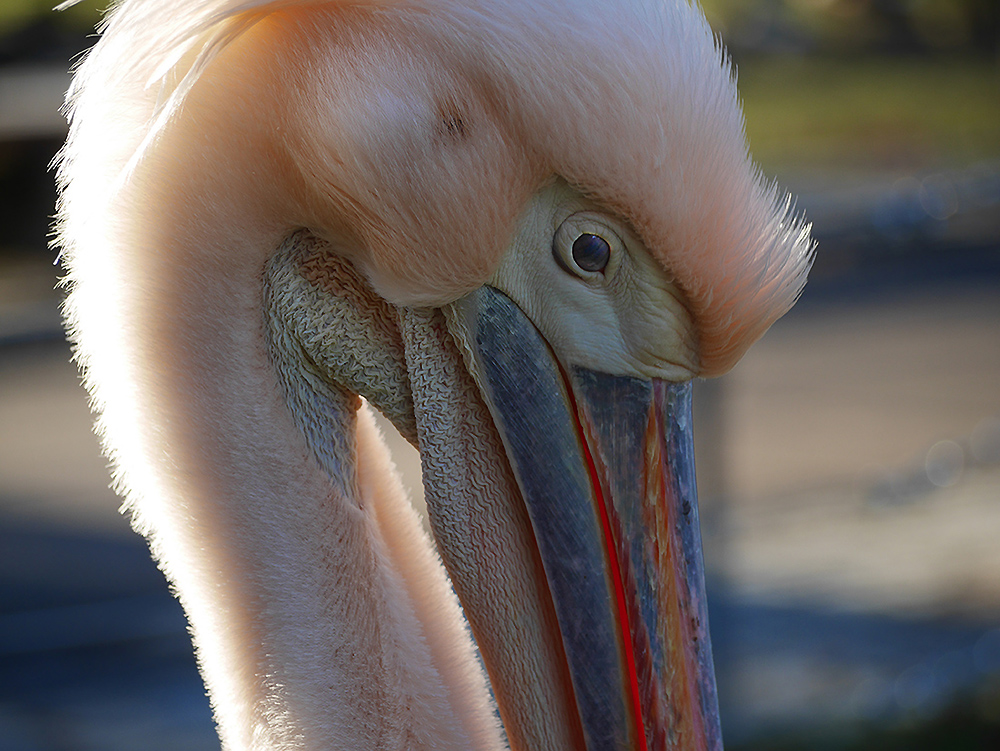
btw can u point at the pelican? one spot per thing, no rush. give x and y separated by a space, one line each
516 228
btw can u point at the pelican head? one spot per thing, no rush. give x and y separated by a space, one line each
517 228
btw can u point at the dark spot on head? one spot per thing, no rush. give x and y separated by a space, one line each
452 126
455 126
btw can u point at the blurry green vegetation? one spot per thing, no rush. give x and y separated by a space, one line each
15 15
866 84
875 114
31 32
840 25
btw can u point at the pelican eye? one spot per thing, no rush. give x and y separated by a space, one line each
588 245
591 252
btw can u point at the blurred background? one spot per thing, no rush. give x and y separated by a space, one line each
849 466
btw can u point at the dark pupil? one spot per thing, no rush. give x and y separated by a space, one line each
591 252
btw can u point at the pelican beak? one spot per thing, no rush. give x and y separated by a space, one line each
605 468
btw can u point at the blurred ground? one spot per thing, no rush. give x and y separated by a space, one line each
838 421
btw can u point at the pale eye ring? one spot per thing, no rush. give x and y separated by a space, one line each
591 252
